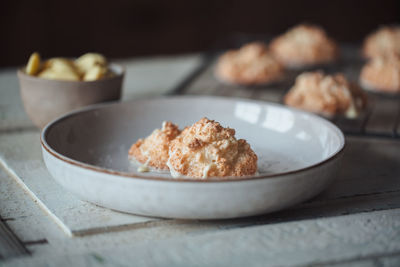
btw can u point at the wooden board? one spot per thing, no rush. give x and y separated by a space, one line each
10 245
369 239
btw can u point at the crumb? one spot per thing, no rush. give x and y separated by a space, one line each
143 168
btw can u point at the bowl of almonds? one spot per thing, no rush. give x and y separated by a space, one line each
50 88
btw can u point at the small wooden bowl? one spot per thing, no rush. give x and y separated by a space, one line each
45 100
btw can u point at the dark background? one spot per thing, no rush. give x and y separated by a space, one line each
123 28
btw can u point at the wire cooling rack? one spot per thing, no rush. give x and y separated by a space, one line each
381 119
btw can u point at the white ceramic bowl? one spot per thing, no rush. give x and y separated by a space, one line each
86 152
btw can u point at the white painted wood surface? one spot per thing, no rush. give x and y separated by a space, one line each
369 237
12 115
10 244
353 223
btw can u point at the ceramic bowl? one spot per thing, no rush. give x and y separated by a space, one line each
45 99
87 152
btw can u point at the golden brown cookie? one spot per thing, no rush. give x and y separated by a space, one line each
206 149
252 64
304 45
153 150
386 40
326 94
382 73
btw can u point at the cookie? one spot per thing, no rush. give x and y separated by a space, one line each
327 95
304 45
206 149
153 150
252 64
382 73
386 40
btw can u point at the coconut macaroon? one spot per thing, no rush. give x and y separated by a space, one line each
385 40
327 95
153 150
206 149
304 45
382 73
252 64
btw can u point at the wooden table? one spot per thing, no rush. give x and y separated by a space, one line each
355 222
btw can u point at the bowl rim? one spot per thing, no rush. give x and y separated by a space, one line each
22 74
337 154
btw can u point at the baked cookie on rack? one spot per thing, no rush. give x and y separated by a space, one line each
304 45
252 64
153 150
382 73
206 149
327 95
386 40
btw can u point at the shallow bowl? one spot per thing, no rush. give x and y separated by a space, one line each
87 152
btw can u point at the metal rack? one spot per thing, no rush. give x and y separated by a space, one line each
381 119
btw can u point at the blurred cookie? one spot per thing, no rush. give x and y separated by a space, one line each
386 40
252 64
153 150
206 149
382 73
304 45
327 95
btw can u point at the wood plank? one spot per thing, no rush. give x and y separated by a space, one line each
10 245
20 155
42 236
23 217
327 241
317 208
374 260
